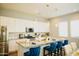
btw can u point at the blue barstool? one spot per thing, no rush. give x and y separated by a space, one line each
51 49
59 48
65 42
33 52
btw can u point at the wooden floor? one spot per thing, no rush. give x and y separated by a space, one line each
13 53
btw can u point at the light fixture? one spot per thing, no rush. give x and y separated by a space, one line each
56 25
47 5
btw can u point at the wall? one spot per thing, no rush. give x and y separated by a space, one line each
54 28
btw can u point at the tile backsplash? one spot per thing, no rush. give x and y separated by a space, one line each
15 35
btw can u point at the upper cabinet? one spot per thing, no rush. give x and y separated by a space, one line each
9 22
19 25
41 27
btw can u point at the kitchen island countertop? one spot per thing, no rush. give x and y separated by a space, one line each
30 44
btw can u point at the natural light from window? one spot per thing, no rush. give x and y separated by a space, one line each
74 28
63 28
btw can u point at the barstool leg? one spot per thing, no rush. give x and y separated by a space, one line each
56 52
61 51
51 53
43 52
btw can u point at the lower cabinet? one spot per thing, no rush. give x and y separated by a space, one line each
13 53
12 48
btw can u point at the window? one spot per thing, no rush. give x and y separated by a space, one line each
63 28
74 28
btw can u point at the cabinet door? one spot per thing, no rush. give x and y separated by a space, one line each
3 21
41 27
11 25
12 45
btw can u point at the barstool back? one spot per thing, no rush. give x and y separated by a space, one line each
65 42
35 51
59 44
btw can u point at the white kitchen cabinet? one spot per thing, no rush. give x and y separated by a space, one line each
9 22
11 26
3 21
19 25
41 26
12 45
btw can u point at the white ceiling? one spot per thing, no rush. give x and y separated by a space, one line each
43 9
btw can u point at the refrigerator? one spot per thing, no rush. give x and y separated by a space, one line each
3 41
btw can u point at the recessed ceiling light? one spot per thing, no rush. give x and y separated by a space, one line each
74 10
47 5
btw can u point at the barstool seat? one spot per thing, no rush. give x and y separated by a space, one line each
51 49
33 52
27 53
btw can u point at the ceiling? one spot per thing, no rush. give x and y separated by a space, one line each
45 10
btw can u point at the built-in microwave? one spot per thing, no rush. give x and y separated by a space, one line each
30 30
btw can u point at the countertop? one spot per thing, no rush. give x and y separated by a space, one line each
30 44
